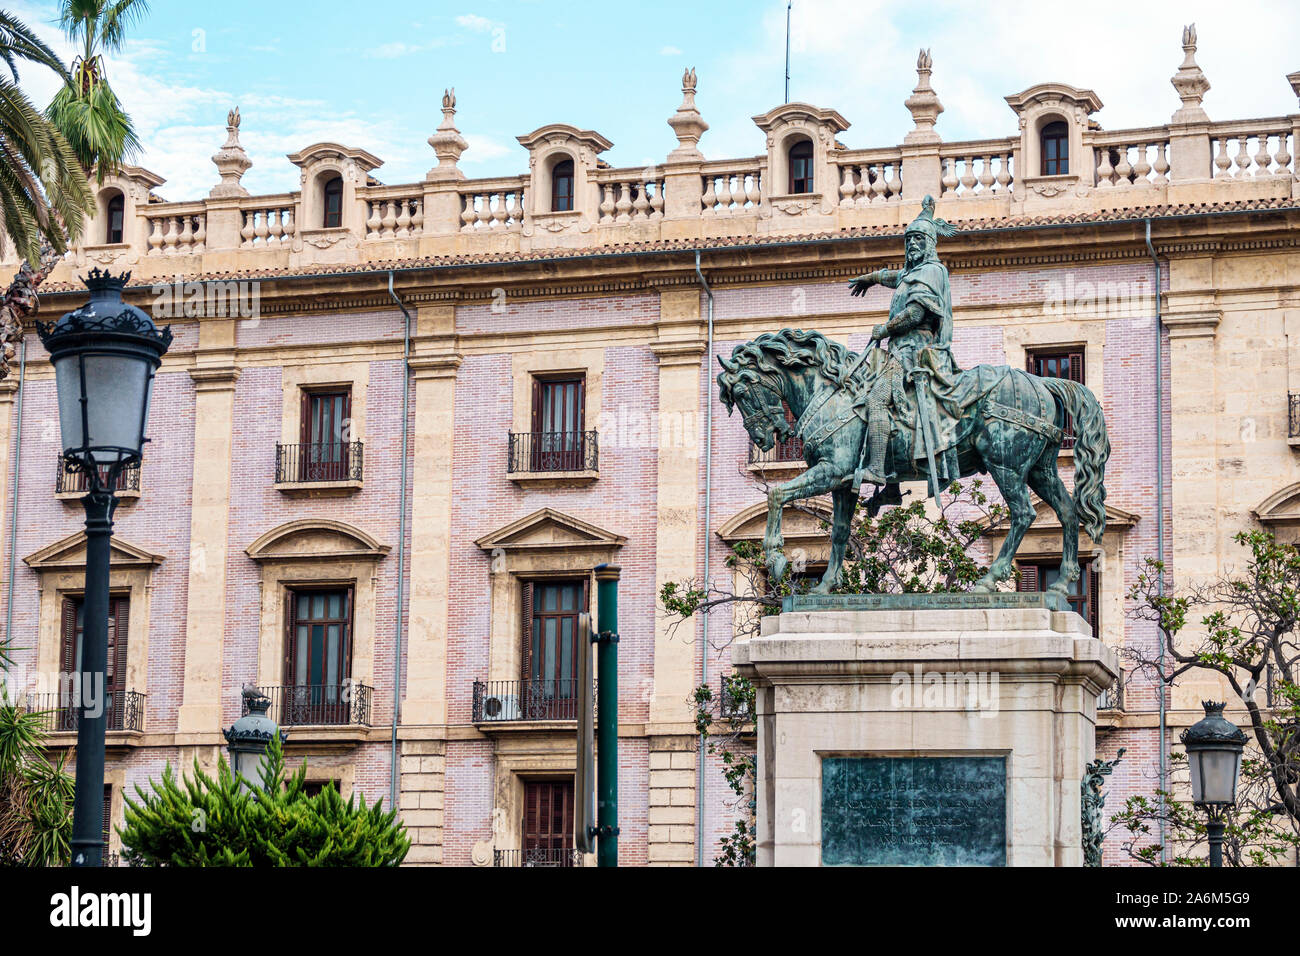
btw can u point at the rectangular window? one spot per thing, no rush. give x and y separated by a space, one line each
550 657
548 823
559 410
72 629
1083 595
1059 363
318 656
326 415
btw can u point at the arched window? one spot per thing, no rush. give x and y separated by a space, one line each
116 218
801 167
1055 141
334 203
562 186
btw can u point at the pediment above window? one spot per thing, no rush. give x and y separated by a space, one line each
797 524
316 539
69 554
550 530
1281 508
1116 519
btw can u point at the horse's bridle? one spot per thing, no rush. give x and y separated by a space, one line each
769 420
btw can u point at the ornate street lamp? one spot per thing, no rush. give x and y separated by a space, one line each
1214 745
104 356
249 736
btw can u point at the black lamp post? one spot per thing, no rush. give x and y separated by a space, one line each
1214 745
104 356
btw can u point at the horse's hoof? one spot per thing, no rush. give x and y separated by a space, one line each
985 585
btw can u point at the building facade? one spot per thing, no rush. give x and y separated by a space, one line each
400 425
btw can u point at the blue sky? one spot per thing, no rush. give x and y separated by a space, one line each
372 74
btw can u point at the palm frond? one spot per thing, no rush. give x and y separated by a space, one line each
18 42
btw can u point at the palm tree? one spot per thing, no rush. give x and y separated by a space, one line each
94 129
86 109
35 795
43 191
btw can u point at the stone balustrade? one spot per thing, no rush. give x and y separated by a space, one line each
1188 161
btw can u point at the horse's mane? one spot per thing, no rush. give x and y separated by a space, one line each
789 348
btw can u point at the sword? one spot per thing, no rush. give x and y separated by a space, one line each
923 416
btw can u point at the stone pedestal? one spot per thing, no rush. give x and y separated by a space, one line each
943 735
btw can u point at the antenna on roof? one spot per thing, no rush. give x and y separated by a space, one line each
788 5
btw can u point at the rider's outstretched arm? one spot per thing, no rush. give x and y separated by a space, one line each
888 277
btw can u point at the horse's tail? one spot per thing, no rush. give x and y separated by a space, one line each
1091 450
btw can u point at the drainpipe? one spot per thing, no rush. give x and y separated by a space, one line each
393 782
708 503
1160 533
13 507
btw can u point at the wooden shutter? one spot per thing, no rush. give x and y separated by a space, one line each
346 670
1094 599
1028 578
108 814
68 655
526 621
581 400
537 405
1076 367
290 636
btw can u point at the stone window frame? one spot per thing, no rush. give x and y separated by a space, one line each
526 368
316 552
544 545
299 380
61 573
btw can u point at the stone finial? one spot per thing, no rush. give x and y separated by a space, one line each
447 142
924 103
231 161
687 123
1189 82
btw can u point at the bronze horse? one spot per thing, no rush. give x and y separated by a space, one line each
1012 429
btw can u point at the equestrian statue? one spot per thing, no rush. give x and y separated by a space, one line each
909 413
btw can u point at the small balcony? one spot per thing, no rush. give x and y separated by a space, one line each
1293 419
320 468
537 857
783 457
123 712
1112 698
71 484
319 705
552 456
518 701
732 706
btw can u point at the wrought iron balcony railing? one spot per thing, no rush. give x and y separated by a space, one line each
311 705
319 461
552 452
70 481
1112 698
1293 423
503 700
732 705
536 857
123 710
790 450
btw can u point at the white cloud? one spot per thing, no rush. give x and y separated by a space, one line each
670 51
472 21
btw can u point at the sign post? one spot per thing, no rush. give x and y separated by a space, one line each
584 818
607 715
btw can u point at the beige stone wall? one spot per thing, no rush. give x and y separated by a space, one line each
672 800
423 783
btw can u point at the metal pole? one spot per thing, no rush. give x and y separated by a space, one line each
1214 830
788 5
88 799
1163 772
607 716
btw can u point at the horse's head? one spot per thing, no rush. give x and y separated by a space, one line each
742 386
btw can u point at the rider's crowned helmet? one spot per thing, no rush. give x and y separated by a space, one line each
927 224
